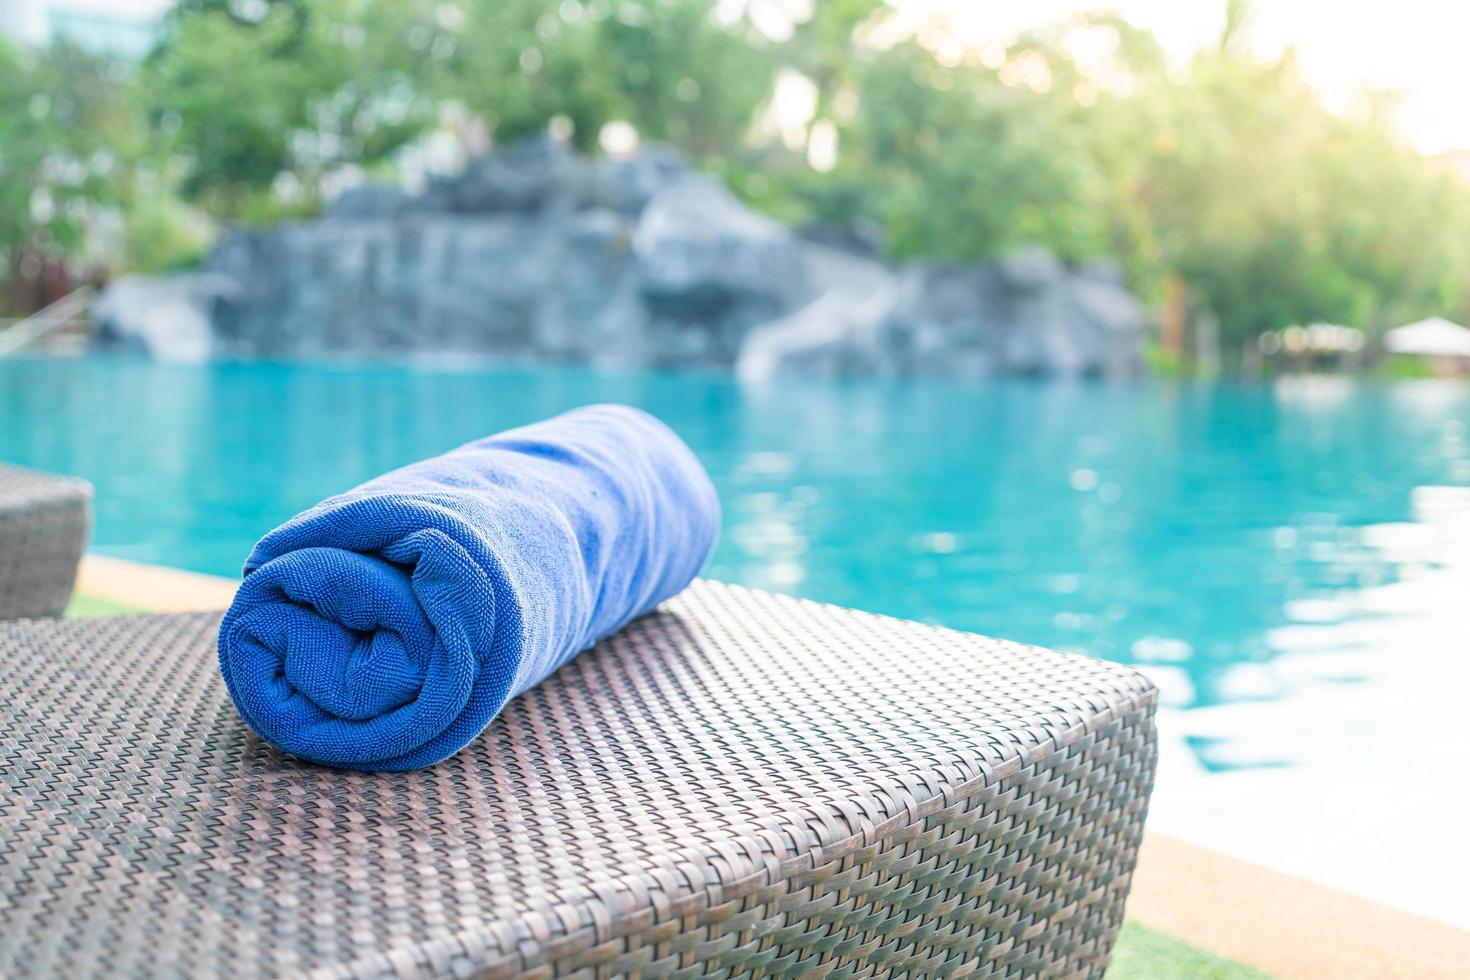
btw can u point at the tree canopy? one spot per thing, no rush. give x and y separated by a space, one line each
1227 174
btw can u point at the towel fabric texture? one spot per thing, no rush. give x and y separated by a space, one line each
384 628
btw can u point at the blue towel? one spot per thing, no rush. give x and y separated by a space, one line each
383 628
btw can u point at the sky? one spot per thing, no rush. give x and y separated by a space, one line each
1414 47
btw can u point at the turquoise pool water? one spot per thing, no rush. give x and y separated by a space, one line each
1154 522
1290 562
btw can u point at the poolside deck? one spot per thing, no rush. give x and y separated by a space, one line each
1280 923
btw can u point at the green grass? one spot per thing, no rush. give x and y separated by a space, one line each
1147 954
1397 366
83 606
1141 954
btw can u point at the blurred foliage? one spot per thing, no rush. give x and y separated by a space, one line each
1162 363
1275 211
68 136
665 66
960 165
1227 172
162 234
254 96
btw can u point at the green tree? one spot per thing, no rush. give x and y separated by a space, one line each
952 159
519 64
249 94
1230 176
1272 209
68 142
683 77
668 67
965 166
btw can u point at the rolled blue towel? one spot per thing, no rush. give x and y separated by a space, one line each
384 628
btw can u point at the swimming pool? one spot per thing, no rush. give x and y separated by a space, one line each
1290 562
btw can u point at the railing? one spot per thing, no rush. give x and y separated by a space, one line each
67 310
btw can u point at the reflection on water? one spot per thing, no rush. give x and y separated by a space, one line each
1344 757
1290 563
1195 531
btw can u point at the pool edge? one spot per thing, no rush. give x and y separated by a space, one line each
152 587
1288 926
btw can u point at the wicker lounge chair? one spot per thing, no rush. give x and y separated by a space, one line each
741 784
44 523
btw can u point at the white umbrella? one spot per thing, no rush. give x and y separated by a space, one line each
1434 337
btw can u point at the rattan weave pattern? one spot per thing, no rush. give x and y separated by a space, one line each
44 524
741 784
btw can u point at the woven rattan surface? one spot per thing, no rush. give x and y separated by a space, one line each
44 524
741 784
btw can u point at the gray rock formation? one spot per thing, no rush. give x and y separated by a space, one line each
534 254
1025 314
709 270
525 178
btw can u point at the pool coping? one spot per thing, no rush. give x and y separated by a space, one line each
152 587
1280 923
1286 925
